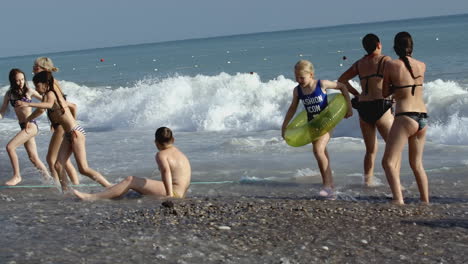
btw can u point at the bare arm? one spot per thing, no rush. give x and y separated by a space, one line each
47 102
348 75
166 174
339 86
4 107
386 88
291 111
36 95
73 109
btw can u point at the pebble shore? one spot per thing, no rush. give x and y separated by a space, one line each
43 227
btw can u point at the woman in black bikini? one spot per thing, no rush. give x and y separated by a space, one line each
19 91
374 109
404 79
74 140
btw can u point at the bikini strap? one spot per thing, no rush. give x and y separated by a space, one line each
377 74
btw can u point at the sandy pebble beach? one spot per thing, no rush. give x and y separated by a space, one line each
40 226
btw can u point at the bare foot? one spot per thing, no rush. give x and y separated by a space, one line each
425 203
398 202
368 181
48 180
82 196
13 181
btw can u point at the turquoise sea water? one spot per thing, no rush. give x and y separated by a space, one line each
226 97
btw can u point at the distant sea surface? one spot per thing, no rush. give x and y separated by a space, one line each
226 97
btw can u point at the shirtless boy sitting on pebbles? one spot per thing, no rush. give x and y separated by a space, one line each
173 165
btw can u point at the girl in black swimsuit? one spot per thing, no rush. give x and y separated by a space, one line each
410 118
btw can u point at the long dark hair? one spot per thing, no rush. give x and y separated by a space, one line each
47 78
403 46
15 90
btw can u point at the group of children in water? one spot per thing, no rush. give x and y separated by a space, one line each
380 77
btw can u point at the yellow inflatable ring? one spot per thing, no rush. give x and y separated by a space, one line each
299 132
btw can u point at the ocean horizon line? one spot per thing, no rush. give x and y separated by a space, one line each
48 54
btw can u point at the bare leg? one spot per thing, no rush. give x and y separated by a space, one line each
384 124
79 151
52 155
370 140
141 185
321 154
416 148
63 155
31 148
18 140
401 129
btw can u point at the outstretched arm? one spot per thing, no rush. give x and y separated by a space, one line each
339 86
348 75
4 107
47 102
166 174
291 111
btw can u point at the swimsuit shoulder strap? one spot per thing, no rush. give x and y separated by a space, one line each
379 66
300 94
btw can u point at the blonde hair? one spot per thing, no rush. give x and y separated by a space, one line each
304 66
46 64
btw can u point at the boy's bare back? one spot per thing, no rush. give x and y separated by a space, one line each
172 159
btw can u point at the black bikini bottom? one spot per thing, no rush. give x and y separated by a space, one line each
371 111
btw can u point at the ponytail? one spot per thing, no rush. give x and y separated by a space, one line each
403 46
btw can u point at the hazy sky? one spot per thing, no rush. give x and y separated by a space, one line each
31 27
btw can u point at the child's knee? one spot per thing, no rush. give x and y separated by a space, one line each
388 163
50 162
318 151
416 165
58 166
10 148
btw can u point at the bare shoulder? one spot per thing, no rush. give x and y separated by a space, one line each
327 84
30 92
387 58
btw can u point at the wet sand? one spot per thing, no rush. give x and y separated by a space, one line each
288 226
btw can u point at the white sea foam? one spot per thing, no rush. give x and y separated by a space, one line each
240 102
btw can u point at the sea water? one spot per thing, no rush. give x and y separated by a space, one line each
225 99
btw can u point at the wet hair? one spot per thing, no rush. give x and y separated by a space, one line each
15 90
369 42
164 136
304 66
47 78
403 46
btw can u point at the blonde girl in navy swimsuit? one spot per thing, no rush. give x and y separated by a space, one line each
314 97
19 92
374 109
46 64
74 134
404 79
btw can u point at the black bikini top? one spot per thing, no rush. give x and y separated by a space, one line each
413 86
377 74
